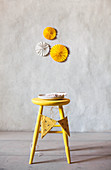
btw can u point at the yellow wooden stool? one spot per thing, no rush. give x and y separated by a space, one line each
44 102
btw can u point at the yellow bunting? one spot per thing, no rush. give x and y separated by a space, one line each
64 125
59 53
49 33
46 125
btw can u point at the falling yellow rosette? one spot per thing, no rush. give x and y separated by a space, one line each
49 33
59 53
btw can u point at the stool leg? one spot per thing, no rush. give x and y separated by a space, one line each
35 136
65 137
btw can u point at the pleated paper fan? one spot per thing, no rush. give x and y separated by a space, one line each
59 53
49 33
42 48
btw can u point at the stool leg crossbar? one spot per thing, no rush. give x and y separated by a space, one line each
37 131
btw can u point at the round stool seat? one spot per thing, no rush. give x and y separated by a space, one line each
49 102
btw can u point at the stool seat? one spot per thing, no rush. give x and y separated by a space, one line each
50 102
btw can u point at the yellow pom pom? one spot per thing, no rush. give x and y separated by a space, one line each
59 53
49 33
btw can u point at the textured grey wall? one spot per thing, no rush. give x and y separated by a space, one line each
85 27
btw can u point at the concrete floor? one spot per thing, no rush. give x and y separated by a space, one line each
89 151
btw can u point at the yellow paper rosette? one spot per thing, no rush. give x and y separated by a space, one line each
49 33
59 53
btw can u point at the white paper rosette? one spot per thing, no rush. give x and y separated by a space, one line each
42 48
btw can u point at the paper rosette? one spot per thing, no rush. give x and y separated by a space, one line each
59 53
49 33
42 48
